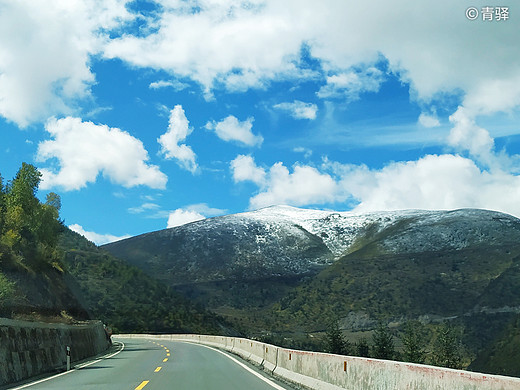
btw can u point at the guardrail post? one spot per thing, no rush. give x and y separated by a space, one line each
68 358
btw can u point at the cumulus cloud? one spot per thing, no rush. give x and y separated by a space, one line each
230 43
304 186
428 121
178 131
243 44
352 84
45 49
181 217
466 135
432 182
244 168
205 209
96 238
84 150
192 213
231 129
299 109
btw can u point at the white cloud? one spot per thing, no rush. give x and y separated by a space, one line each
205 209
428 121
306 152
181 217
96 238
231 129
304 186
244 168
352 84
45 49
243 44
466 135
144 207
236 44
84 150
175 84
432 182
299 109
178 131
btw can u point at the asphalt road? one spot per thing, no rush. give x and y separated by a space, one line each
153 365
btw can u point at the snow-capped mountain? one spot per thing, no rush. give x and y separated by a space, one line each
418 230
288 241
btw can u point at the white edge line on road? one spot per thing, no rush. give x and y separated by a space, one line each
269 382
78 367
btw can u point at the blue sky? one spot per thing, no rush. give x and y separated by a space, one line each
149 114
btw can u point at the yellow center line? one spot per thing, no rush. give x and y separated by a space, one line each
167 354
143 384
158 369
165 360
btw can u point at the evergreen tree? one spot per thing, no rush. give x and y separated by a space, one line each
336 342
447 346
362 348
413 342
383 343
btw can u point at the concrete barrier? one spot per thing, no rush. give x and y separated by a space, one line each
29 348
323 371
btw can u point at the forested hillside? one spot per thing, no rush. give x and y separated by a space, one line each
125 297
49 272
32 277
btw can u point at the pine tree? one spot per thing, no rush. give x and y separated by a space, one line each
362 348
336 342
413 342
383 343
447 346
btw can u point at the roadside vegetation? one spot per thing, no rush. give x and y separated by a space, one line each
48 272
441 346
28 228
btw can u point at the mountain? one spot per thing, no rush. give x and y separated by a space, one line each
125 297
288 271
436 264
89 283
238 260
284 245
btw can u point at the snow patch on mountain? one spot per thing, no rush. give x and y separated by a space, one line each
338 230
424 230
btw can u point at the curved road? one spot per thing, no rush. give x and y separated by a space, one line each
158 365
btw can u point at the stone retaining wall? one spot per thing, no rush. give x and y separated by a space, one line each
28 349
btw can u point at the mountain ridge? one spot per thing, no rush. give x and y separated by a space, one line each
288 242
